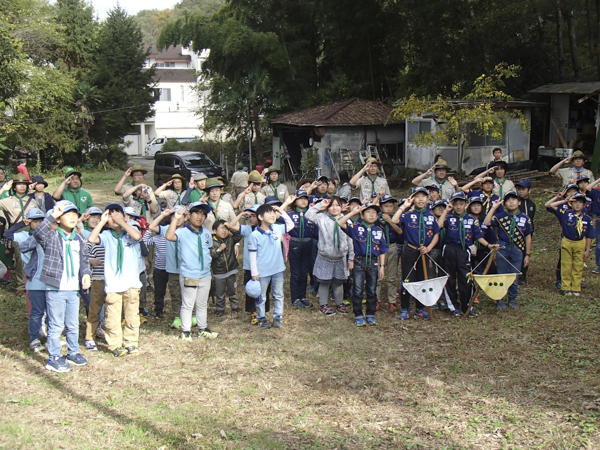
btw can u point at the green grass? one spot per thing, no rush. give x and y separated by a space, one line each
519 379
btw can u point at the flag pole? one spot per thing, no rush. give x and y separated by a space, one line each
429 309
477 289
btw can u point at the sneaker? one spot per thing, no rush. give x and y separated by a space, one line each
513 304
91 346
436 306
77 359
457 313
326 310
176 323
158 314
264 323
143 319
341 309
119 351
347 302
220 313
360 322
582 285
422 314
393 307
254 320
36 346
186 336
236 310
501 305
306 303
145 312
277 322
521 281
100 334
133 350
442 305
473 313
206 333
58 365
404 315
371 321
576 294
558 285
568 293
194 321
596 271
298 303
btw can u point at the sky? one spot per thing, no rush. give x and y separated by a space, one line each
101 7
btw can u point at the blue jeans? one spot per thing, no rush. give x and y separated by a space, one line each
597 235
369 274
515 257
276 281
300 256
63 312
38 308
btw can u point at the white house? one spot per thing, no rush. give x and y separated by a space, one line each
175 111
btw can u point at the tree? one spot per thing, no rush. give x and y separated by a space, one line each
479 112
79 30
124 86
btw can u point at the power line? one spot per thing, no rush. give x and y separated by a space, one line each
77 114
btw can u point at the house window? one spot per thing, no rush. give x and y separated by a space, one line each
417 127
165 95
165 64
476 140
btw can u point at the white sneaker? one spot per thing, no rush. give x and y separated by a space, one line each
91 346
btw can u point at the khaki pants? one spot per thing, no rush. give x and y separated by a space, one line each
116 303
18 272
97 297
175 291
390 282
571 265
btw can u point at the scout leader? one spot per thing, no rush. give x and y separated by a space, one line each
274 186
438 174
70 189
370 183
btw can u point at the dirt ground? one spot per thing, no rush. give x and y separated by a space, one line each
504 380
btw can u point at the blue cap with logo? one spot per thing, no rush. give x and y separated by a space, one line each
460 195
130 211
437 203
527 184
35 213
93 210
272 200
116 206
510 194
177 208
202 205
301 193
387 198
372 205
253 289
66 206
418 189
252 208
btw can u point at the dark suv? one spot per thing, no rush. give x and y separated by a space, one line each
187 164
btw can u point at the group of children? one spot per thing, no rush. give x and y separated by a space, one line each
343 248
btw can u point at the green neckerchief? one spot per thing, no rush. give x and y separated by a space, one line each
336 231
120 249
301 212
200 249
87 227
143 203
461 228
21 202
178 196
500 184
513 226
76 197
213 207
421 226
68 253
372 180
386 227
275 186
369 251
441 183
255 198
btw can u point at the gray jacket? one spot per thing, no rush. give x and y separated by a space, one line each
327 249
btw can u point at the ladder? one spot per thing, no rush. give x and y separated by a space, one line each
347 160
371 152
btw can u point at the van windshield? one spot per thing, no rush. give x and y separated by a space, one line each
197 160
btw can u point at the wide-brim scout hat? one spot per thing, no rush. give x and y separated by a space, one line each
272 200
39 180
387 198
66 206
304 181
177 177
272 169
205 206
212 183
510 194
35 213
200 177
116 206
131 212
373 206
418 189
373 161
138 168
223 180
441 164
71 171
460 195
93 210
579 154
254 177
20 178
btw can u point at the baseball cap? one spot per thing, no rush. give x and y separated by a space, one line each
35 213
526 183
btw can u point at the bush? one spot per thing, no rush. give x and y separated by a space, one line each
211 148
113 155
310 162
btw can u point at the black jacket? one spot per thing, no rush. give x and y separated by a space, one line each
225 261
527 207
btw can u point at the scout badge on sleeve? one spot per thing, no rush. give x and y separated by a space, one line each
427 291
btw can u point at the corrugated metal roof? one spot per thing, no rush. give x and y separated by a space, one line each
351 112
175 75
568 88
